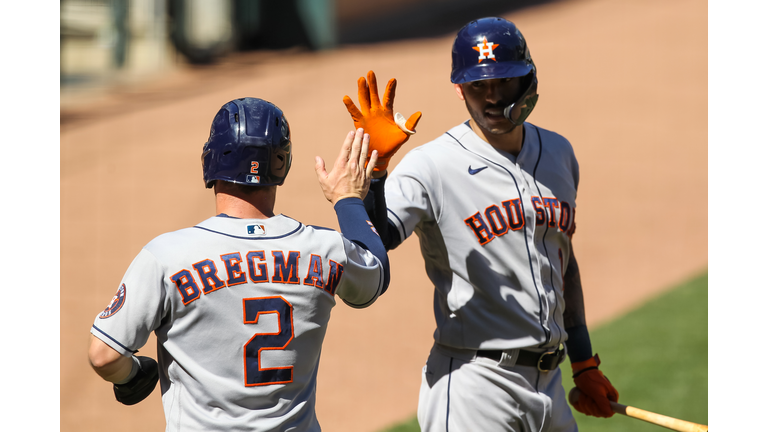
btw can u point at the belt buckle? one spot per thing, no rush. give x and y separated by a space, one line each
560 354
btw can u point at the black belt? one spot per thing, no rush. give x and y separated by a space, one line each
544 362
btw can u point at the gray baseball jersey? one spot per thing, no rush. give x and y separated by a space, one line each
494 232
240 308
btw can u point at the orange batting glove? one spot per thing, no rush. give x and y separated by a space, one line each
387 132
597 391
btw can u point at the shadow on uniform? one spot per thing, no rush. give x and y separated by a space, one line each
474 262
439 366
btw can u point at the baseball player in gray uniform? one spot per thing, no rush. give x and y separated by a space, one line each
240 302
493 202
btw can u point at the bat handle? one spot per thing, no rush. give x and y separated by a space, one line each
619 408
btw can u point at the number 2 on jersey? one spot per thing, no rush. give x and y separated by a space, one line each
255 375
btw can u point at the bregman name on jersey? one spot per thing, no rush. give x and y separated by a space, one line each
284 269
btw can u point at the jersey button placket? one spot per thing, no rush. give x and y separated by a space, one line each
530 215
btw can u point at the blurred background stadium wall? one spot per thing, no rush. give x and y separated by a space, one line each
109 42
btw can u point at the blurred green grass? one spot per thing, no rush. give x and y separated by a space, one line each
656 357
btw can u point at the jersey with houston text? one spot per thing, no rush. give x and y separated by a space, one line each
240 308
494 231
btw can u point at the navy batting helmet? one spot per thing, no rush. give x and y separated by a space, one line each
490 48
250 144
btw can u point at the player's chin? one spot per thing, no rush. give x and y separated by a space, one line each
497 125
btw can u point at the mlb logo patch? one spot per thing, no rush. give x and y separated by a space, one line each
117 302
256 230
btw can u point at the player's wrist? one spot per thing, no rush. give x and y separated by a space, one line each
132 373
578 343
582 366
336 199
141 385
347 201
381 164
377 174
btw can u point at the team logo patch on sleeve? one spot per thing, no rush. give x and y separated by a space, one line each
117 302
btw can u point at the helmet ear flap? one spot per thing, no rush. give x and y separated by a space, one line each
519 110
282 155
281 162
205 160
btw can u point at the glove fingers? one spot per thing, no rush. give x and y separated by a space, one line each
597 409
413 120
586 405
611 391
357 116
374 90
595 387
363 96
603 408
389 95
613 394
600 407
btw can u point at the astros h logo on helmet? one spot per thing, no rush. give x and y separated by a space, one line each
486 50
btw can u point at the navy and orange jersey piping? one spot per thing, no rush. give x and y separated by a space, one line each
251 238
114 340
544 244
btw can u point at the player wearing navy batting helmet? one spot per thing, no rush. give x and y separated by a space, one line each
240 302
493 203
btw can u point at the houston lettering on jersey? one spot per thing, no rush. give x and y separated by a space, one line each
206 277
494 221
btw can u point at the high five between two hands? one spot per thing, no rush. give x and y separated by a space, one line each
366 152
350 176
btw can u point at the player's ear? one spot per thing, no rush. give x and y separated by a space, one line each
459 91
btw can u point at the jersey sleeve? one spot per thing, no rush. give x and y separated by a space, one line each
137 308
363 278
413 192
366 271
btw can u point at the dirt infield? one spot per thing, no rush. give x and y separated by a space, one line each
624 81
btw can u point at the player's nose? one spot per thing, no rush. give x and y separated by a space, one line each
493 92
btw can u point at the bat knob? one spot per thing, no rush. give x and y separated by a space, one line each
573 395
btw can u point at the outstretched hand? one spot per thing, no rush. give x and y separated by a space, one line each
388 131
350 177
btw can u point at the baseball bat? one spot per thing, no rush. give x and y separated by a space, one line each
650 417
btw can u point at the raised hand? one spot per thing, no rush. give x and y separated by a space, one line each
388 131
350 177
